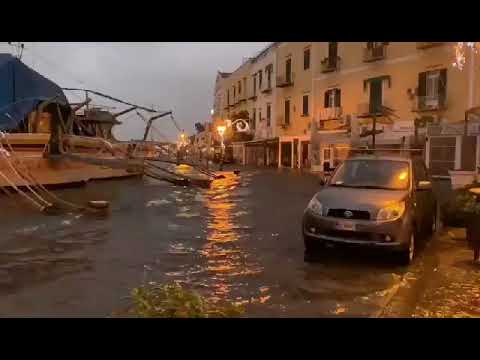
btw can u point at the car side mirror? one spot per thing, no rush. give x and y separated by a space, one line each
424 185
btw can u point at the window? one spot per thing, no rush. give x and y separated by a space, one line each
432 85
269 114
260 79
287 112
306 59
228 97
288 70
305 105
239 88
234 94
259 115
268 70
376 96
245 85
253 119
332 98
254 85
332 51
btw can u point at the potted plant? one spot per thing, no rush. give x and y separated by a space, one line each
465 212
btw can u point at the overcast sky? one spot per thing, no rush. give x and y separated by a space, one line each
169 76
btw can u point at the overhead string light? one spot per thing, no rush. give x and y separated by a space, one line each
460 50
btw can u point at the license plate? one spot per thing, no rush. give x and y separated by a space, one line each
345 225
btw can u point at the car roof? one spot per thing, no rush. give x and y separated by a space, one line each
380 157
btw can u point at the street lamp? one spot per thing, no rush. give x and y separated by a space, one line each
221 131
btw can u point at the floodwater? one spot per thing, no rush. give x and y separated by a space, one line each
239 240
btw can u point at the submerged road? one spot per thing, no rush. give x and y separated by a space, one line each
239 240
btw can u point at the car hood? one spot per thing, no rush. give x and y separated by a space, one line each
370 200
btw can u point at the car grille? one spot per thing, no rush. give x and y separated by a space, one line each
355 235
357 214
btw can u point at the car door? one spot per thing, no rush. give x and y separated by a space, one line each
423 196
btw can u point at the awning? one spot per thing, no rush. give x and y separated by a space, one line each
262 142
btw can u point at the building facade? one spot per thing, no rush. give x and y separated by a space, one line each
312 102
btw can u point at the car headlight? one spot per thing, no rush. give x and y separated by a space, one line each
391 212
315 206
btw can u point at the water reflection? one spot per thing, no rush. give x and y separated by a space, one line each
226 259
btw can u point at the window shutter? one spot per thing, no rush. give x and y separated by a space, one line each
337 98
422 84
442 85
305 104
375 95
325 104
287 112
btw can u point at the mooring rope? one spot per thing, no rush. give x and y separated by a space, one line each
28 176
35 182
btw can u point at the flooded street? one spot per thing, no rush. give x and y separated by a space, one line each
239 240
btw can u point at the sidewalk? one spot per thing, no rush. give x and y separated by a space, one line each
444 282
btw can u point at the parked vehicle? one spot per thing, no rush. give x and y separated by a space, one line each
380 201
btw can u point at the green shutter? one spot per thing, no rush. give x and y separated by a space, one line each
337 98
422 84
375 96
442 86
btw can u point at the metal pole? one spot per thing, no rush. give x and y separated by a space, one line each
221 152
374 129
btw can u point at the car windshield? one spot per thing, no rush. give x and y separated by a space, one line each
372 174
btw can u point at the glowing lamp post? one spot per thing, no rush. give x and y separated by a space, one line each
221 131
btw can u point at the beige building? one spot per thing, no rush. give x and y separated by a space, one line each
416 80
324 98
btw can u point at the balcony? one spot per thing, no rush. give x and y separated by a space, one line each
365 110
285 80
252 97
267 89
374 53
429 103
332 113
281 121
428 45
330 64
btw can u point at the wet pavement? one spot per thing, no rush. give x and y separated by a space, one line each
239 240
447 284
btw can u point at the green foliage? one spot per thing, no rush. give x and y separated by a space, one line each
173 301
462 207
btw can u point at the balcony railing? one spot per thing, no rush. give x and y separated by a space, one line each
429 103
332 113
330 64
366 110
285 80
374 53
281 121
428 45
267 89
252 96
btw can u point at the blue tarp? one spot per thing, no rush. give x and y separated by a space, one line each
21 90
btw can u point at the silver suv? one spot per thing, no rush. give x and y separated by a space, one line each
376 201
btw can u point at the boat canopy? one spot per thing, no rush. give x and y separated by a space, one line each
21 91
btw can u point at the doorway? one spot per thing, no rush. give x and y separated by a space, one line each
305 154
326 158
286 153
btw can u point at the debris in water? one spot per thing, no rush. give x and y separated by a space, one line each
99 204
157 202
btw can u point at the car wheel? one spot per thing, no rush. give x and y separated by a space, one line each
312 246
407 255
